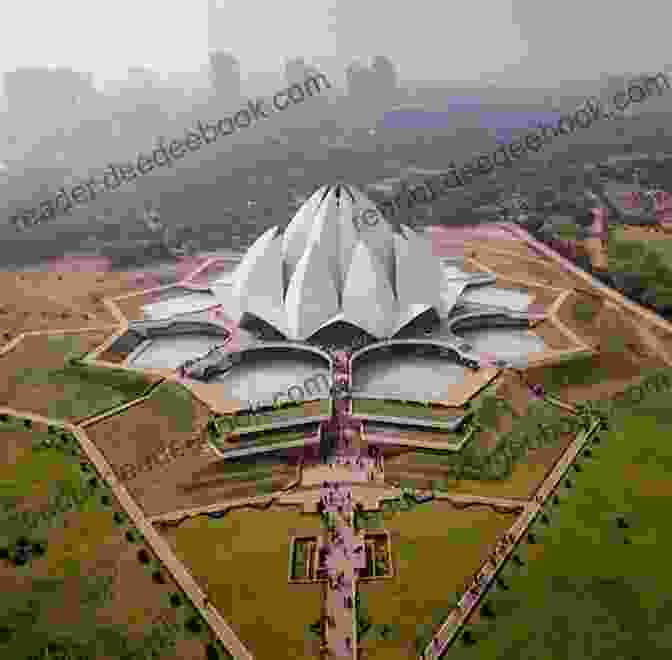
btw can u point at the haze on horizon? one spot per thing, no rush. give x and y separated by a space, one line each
521 43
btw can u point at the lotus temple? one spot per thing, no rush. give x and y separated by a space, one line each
332 310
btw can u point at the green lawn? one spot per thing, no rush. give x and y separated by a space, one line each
267 438
177 403
246 421
587 593
578 370
652 261
86 389
395 409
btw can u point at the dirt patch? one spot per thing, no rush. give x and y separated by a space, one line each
113 357
553 337
607 324
512 388
618 371
643 234
196 480
514 246
131 308
138 435
63 300
534 271
664 336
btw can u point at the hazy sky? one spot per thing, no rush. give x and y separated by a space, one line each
528 40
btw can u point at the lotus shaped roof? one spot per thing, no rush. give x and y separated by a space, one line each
332 266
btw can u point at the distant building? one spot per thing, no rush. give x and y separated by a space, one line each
225 74
296 70
28 90
385 74
378 82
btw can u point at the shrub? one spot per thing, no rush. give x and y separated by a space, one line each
93 482
487 611
175 600
118 517
584 311
4 417
39 549
468 638
193 624
4 553
105 499
130 536
211 652
28 423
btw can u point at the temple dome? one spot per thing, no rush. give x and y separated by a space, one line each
330 265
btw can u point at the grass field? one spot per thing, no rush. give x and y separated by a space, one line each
242 561
81 592
85 389
591 590
435 550
175 401
399 409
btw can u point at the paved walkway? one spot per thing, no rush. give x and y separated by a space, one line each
345 555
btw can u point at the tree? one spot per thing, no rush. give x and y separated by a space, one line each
468 638
193 624
175 600
501 584
584 311
28 423
130 536
211 652
487 611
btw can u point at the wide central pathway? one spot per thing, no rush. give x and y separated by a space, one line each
344 550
